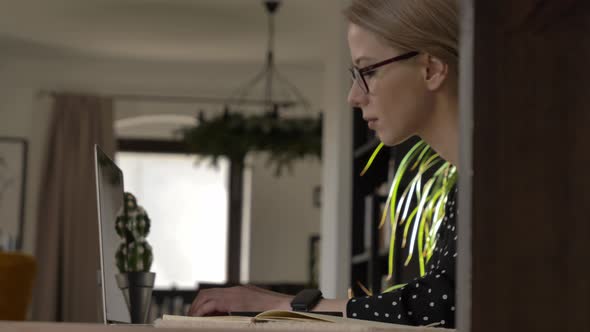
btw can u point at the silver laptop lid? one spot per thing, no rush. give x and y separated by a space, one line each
109 191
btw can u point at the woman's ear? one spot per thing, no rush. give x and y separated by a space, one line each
435 72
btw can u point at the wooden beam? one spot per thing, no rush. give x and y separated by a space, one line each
531 151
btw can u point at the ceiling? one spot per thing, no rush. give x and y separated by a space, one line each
166 30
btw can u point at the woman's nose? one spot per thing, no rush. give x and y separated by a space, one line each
356 97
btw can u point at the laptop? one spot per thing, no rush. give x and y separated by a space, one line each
110 198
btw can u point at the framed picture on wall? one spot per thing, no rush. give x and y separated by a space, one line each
13 172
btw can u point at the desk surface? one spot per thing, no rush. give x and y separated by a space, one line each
6 326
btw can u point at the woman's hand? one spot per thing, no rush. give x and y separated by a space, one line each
241 298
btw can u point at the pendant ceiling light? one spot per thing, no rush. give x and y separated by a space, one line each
278 93
235 134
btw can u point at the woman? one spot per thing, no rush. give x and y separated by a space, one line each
405 60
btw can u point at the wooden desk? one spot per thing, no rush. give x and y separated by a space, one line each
6 326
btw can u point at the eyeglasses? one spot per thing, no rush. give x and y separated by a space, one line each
358 74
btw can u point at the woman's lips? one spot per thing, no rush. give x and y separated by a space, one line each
371 123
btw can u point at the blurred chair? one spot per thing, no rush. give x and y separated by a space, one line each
17 272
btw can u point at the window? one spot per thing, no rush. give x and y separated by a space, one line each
187 204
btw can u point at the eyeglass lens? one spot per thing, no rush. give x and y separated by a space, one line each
358 79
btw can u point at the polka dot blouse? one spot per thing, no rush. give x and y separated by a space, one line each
425 300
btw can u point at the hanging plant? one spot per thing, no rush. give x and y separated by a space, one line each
423 221
235 135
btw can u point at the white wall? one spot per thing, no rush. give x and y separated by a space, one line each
23 113
281 228
23 116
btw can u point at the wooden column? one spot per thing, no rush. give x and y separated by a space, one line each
531 162
234 236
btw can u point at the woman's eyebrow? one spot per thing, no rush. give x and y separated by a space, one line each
362 58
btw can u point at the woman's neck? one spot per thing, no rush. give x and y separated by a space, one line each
442 132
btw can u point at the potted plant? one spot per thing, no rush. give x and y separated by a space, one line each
429 189
234 135
134 259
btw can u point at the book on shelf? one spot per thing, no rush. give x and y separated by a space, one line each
368 221
372 218
296 319
384 230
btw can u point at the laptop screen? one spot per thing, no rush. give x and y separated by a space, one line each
109 186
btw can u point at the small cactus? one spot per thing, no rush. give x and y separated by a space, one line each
133 225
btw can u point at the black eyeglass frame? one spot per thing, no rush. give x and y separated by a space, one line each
361 72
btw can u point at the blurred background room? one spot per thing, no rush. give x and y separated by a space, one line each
130 76
167 86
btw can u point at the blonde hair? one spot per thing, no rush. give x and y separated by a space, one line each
429 26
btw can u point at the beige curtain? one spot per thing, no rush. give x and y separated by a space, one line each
67 229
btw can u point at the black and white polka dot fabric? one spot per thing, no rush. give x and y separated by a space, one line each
425 300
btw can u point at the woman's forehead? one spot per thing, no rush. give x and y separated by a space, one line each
365 46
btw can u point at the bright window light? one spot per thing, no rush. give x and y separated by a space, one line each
187 205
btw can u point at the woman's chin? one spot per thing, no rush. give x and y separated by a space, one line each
391 140
385 139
